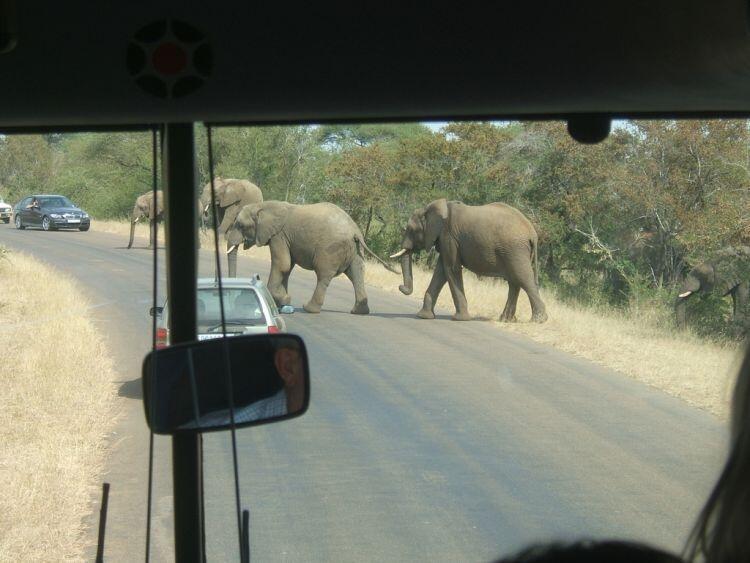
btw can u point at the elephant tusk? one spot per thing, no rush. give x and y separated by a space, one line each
232 248
399 253
205 209
685 294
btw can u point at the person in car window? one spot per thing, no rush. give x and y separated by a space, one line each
721 531
34 204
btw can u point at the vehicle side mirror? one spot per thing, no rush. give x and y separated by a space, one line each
156 311
286 310
195 387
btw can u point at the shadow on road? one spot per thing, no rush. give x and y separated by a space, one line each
138 248
131 389
392 315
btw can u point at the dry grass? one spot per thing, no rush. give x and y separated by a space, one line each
639 344
56 404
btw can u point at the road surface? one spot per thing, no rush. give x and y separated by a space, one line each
425 440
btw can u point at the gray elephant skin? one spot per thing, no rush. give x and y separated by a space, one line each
144 209
231 196
493 240
320 237
727 272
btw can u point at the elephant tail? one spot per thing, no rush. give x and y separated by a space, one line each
362 245
535 259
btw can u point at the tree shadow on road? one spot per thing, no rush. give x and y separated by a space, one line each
131 389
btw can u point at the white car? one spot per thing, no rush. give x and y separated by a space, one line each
5 211
248 305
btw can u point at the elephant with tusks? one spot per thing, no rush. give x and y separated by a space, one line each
144 208
320 237
231 196
726 272
493 240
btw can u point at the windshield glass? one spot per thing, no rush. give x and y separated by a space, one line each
55 201
241 305
511 336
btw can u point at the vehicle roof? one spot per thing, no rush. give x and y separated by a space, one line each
341 63
204 283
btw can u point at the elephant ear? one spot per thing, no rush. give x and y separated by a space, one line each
229 194
269 222
435 217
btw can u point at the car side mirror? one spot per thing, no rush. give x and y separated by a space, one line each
200 386
156 311
286 310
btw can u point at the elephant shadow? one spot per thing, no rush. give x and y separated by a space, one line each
131 389
442 317
139 248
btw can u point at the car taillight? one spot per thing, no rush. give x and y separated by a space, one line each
273 329
161 338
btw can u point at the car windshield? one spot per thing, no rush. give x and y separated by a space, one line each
55 201
240 305
511 336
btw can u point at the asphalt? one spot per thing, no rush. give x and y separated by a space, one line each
425 440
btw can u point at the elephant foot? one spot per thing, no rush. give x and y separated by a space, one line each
361 309
539 318
426 314
281 300
465 316
507 318
311 307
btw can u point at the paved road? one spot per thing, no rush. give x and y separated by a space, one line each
425 440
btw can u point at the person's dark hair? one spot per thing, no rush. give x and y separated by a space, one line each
592 551
721 531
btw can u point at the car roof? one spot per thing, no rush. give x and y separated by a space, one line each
231 283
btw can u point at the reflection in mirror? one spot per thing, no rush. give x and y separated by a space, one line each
286 310
187 387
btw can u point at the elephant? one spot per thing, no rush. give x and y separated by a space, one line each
492 240
231 196
319 237
726 271
144 207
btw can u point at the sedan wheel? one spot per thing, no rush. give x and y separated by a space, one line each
45 223
19 223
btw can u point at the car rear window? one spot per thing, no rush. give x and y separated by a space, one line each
240 304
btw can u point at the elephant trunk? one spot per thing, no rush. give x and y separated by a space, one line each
132 232
408 286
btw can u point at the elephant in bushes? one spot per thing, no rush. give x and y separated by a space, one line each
727 272
319 237
493 240
144 208
231 196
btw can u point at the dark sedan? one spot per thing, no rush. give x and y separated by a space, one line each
50 212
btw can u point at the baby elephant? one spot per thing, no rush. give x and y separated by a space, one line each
319 237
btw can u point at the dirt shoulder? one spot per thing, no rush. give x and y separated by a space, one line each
56 405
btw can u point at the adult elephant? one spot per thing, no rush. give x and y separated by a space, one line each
144 208
494 240
319 237
726 272
231 196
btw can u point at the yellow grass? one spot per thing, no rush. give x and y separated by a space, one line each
636 344
56 404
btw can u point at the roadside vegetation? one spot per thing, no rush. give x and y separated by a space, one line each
56 404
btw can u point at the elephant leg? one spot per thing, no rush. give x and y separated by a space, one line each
319 295
740 299
278 279
522 274
285 281
433 291
456 284
509 312
151 232
356 274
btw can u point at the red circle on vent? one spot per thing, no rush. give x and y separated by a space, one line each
169 58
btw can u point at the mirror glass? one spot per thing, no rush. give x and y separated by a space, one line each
287 310
187 387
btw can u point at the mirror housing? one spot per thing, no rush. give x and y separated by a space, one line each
287 310
186 387
156 311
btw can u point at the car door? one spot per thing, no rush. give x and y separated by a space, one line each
22 211
34 216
